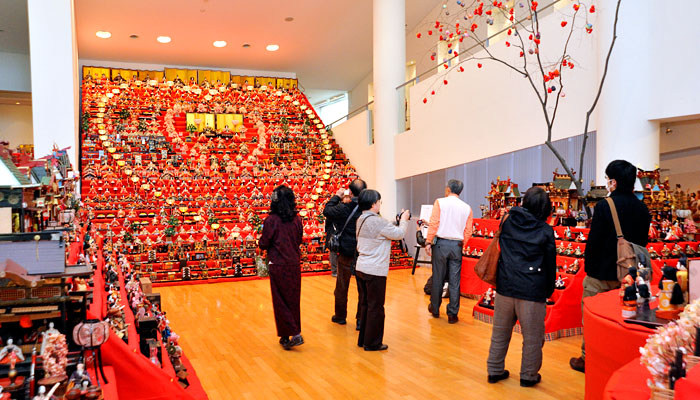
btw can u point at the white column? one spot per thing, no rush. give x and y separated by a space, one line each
389 69
54 72
624 129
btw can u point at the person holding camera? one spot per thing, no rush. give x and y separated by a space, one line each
344 216
374 236
449 231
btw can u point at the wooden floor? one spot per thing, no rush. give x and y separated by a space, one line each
228 333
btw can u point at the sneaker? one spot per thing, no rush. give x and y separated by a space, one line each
529 383
339 321
380 348
500 377
578 364
295 341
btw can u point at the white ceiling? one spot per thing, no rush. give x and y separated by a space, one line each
14 37
328 45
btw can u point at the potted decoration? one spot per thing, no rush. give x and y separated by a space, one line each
142 127
191 128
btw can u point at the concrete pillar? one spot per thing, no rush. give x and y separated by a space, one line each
624 129
54 72
389 70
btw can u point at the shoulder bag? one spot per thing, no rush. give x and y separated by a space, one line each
334 239
628 253
487 266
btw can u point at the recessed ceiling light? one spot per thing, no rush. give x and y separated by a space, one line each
272 47
134 36
17 102
246 45
289 19
103 34
219 43
163 39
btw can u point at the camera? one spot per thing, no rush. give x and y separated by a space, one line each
398 216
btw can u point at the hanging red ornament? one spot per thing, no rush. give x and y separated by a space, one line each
444 81
488 12
432 57
592 10
478 65
530 37
563 23
534 6
430 32
537 41
425 100
445 65
507 44
522 54
510 31
461 69
418 35
576 7
549 90
456 54
432 93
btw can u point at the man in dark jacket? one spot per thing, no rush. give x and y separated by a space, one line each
340 212
601 248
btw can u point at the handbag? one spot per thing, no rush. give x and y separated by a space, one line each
628 253
334 239
487 266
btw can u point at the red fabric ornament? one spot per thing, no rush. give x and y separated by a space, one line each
461 69
488 12
510 31
432 58
534 6
456 54
563 23
474 26
449 45
507 44
25 321
522 54
478 65
445 65
592 10
571 65
442 38
530 37
430 32
418 35
549 90
576 7
444 81
425 100
457 25
564 63
537 41
432 93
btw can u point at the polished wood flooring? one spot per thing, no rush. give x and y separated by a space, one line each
228 333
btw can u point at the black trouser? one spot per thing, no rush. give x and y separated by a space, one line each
447 266
342 284
373 292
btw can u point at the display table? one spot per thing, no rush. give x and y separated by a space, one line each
611 343
630 383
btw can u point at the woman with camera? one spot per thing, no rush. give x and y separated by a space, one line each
374 236
525 279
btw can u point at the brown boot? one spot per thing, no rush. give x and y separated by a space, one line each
578 364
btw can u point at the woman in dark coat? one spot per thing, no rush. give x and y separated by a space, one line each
526 274
281 237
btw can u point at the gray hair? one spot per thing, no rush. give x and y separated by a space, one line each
455 186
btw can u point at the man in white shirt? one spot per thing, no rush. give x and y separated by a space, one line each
448 233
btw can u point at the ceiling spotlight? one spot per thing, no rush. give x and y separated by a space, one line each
246 45
17 102
103 34
272 47
289 19
163 39
219 43
134 36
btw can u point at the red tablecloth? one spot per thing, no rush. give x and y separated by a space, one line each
610 342
628 383
688 388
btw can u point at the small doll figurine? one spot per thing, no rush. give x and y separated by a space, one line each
559 284
487 301
665 252
629 302
556 235
560 248
689 250
578 252
581 237
653 254
567 233
628 280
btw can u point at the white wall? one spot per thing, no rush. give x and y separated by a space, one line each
353 136
16 124
159 67
359 94
680 153
15 74
492 110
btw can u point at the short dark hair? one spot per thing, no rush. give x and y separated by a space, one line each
357 186
624 173
367 199
455 186
283 203
537 202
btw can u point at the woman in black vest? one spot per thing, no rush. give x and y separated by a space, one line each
526 275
